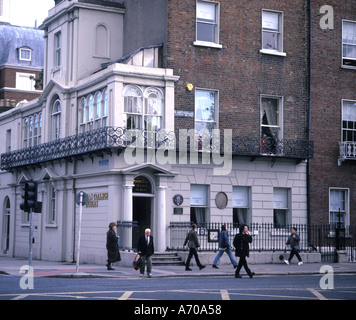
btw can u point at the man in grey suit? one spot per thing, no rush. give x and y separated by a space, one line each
193 244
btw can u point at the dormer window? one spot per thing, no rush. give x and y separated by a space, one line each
25 54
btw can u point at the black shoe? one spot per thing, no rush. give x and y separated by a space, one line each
237 276
188 269
201 267
215 266
251 274
110 267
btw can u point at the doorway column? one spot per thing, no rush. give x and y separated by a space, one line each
161 214
127 214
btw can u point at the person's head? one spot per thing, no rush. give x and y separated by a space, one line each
294 229
224 227
243 228
112 225
194 226
148 232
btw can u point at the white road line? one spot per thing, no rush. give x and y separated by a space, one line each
317 294
126 295
224 295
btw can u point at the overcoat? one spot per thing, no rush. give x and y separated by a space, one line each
241 243
112 246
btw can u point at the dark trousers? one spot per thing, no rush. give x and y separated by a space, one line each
242 263
193 251
296 253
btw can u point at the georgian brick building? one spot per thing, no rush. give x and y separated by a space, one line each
333 112
191 72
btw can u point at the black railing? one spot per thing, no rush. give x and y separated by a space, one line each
99 141
324 239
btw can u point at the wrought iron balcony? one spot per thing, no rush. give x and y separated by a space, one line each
108 139
347 151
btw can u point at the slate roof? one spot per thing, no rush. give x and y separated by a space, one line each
12 38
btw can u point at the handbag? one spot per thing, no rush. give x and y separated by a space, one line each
137 263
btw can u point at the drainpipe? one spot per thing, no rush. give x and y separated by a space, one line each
309 104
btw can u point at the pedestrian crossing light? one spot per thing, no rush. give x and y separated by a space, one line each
29 196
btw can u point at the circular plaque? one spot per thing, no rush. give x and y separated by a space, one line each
178 199
221 200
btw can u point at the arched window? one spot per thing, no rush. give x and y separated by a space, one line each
56 119
5 239
153 109
133 102
93 111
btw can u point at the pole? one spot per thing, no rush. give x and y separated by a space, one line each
79 228
30 238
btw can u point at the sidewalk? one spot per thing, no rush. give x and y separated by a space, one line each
12 266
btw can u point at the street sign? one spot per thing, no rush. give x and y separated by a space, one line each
84 199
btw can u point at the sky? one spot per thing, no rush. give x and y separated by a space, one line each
25 12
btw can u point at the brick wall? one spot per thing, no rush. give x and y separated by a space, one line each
330 84
239 71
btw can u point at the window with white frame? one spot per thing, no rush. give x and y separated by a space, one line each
349 121
25 54
25 81
56 120
32 130
51 217
349 43
241 205
198 203
271 120
57 49
207 23
93 111
272 32
205 110
338 207
143 107
280 207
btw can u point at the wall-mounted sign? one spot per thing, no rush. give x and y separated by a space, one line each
142 185
221 200
178 199
93 199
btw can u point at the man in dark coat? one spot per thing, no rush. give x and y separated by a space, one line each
112 245
145 248
241 243
193 244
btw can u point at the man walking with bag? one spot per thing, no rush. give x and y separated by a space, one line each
193 244
146 249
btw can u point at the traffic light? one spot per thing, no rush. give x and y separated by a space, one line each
29 196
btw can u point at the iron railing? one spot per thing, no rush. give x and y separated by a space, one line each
106 139
347 151
324 239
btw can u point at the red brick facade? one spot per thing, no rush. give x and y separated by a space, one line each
238 70
331 83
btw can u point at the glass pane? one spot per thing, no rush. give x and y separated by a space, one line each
206 32
206 11
270 20
270 41
204 105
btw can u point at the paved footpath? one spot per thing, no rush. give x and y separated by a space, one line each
12 266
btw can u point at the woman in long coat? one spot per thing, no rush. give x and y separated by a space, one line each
241 243
112 245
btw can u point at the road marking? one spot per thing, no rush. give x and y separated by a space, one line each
21 296
224 295
126 295
317 294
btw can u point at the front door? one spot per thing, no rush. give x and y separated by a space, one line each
142 210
